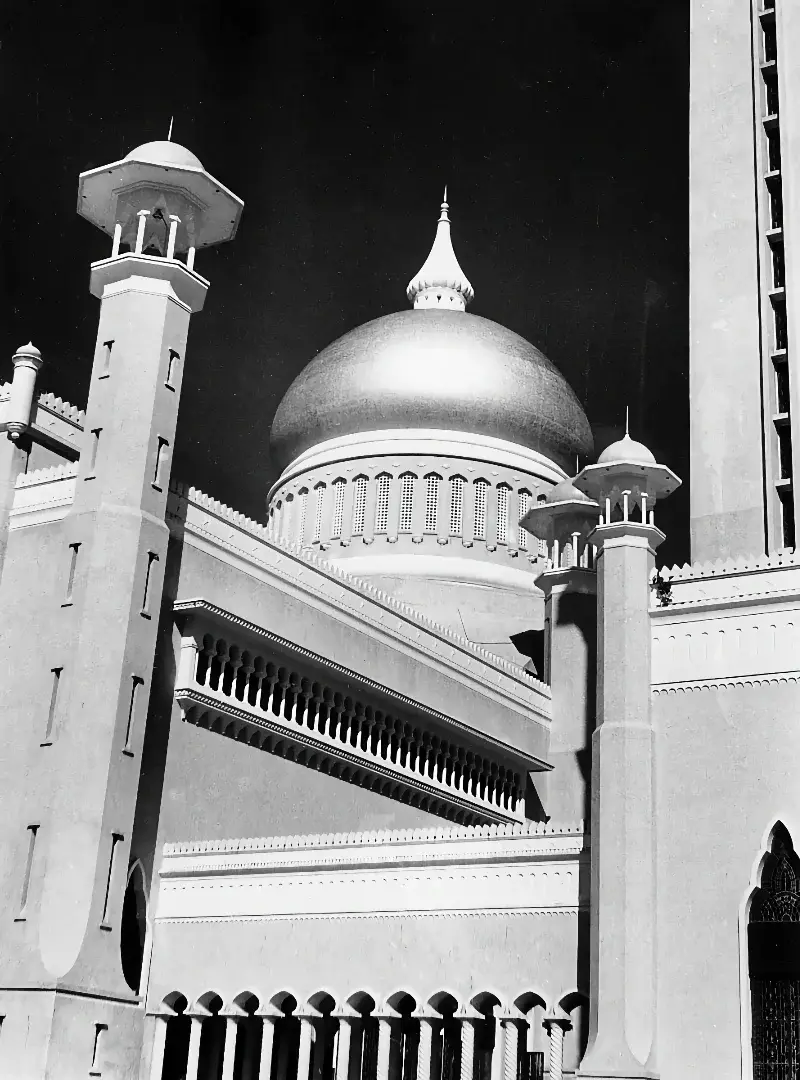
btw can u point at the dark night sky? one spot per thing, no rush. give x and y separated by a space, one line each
561 129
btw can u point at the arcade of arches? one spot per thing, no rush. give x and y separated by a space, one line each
358 1041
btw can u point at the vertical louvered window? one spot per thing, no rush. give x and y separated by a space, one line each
502 513
359 504
406 501
480 509
320 490
524 506
338 507
382 503
431 502
301 529
456 505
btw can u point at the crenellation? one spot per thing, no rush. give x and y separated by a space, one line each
57 405
49 475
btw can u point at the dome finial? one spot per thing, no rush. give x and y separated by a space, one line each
441 283
627 417
169 133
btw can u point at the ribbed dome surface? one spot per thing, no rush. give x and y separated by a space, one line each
432 369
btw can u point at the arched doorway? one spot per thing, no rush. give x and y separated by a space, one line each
773 954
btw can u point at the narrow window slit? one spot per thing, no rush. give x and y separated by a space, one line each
161 457
148 579
73 562
26 881
93 453
51 712
172 369
106 368
136 682
94 1068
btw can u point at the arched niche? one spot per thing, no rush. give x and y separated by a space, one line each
773 961
133 927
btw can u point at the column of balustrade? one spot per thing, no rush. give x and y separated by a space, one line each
467 1048
384 1038
425 1048
243 677
343 1047
266 688
193 1058
304 1049
159 1046
511 1052
267 1046
229 1048
555 1029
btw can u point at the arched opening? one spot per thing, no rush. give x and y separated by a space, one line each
533 1043
364 1044
176 1047
249 1032
487 1032
212 1037
446 1049
133 927
576 1006
404 1041
773 957
287 1037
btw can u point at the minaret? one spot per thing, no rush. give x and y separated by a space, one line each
160 203
563 521
441 283
626 482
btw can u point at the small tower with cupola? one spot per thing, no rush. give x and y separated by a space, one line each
66 829
626 482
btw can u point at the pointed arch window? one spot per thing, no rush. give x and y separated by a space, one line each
382 503
359 504
338 507
479 531
502 513
432 482
456 505
524 498
773 941
406 501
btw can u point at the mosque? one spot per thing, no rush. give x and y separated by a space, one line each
432 774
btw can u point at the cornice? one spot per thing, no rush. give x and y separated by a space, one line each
455 913
731 683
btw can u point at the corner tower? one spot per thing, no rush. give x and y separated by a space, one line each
93 618
745 268
411 448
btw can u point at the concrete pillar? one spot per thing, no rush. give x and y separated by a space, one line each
304 1051
498 1052
425 1048
193 1059
159 1045
229 1051
343 1047
555 1030
511 1050
318 1057
623 829
267 1044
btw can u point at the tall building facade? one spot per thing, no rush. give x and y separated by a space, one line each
744 319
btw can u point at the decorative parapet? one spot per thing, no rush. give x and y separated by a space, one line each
347 590
43 495
252 685
62 408
410 873
732 579
380 837
66 470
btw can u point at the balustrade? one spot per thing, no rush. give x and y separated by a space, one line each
227 688
342 1044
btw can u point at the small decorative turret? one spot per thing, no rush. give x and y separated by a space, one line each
564 520
27 360
441 283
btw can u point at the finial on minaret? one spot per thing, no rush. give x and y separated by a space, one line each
169 133
627 417
27 360
441 283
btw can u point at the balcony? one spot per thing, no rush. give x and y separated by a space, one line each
249 684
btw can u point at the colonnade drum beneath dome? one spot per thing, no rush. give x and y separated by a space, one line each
403 1037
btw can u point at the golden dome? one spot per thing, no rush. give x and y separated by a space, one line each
432 369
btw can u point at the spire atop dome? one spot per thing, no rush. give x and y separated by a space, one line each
441 283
